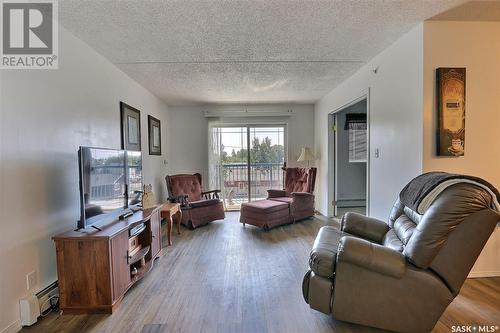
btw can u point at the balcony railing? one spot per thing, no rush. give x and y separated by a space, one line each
263 176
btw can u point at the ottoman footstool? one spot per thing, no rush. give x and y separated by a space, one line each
265 213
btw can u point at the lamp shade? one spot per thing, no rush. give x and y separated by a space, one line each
306 155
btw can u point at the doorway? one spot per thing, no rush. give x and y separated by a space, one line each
246 161
349 158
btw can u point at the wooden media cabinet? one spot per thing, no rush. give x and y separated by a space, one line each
95 268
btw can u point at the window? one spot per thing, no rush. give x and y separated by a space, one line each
357 145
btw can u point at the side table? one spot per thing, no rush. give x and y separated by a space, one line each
168 211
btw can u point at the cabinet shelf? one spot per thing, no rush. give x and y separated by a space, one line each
139 255
142 271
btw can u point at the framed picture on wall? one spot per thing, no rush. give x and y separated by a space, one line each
130 127
154 135
451 111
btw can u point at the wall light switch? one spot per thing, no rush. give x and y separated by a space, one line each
377 153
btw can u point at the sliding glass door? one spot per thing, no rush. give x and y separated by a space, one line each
267 155
246 161
233 166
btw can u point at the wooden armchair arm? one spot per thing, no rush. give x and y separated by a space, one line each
276 193
213 194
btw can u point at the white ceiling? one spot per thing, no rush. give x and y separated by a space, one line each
268 51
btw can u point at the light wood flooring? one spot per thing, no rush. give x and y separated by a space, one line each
227 278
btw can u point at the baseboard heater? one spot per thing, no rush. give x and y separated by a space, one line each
45 294
32 306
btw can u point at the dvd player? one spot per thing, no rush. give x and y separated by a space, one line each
136 230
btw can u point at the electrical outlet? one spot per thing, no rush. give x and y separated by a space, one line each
31 280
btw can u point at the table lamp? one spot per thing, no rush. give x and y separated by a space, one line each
306 155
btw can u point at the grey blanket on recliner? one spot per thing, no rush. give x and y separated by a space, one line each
420 192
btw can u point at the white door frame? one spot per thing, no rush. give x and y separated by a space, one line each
332 154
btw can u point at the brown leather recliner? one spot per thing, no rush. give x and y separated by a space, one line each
298 192
400 275
198 207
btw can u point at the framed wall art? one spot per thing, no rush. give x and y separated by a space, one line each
154 135
451 111
130 127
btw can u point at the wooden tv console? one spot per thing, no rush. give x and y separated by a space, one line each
96 268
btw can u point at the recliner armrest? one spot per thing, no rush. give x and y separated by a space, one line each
302 194
371 256
324 251
364 227
276 193
204 203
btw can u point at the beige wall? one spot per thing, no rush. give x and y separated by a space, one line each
188 147
403 115
188 133
476 46
45 116
395 114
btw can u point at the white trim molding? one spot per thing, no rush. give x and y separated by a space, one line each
481 274
238 111
13 328
245 113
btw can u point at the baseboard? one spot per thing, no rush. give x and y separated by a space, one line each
346 203
12 328
483 274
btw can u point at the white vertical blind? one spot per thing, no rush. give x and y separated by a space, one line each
214 158
357 145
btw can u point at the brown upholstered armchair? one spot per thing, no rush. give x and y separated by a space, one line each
198 207
298 192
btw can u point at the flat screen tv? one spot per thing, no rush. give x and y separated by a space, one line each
110 182
134 177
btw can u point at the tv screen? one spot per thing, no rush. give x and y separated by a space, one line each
134 177
105 175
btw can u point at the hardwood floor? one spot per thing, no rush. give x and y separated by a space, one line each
227 278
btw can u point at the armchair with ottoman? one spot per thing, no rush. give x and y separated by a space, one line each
294 203
198 207
298 192
401 275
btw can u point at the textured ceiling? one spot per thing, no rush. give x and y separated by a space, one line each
195 52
